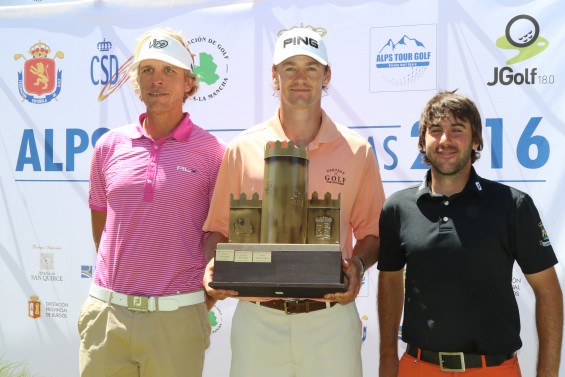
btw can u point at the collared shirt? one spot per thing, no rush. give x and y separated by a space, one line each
156 195
340 161
459 253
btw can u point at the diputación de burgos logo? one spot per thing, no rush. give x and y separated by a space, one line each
34 307
403 58
211 63
39 81
522 34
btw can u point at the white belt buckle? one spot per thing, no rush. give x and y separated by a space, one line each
461 359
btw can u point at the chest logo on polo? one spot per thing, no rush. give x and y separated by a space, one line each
187 170
336 176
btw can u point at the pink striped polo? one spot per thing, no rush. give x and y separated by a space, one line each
156 195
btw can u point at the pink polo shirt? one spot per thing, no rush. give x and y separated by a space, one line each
340 161
156 195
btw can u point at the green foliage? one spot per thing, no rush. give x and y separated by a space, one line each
13 369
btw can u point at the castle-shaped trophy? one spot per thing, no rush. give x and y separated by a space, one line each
283 245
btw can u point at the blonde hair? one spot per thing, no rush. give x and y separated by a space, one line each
134 73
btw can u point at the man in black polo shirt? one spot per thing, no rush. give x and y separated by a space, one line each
459 235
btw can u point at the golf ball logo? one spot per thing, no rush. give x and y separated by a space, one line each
522 31
523 35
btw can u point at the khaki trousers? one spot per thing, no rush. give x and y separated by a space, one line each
117 342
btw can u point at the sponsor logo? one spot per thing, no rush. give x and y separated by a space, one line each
34 307
54 309
364 320
522 34
516 284
403 58
105 70
187 170
335 176
39 82
86 271
215 316
211 62
46 271
158 44
46 262
544 237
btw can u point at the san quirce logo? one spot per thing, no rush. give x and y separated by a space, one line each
211 62
39 82
522 34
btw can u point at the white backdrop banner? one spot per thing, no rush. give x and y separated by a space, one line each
64 84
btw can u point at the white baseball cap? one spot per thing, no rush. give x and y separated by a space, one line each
165 48
300 41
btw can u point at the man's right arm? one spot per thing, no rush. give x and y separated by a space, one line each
98 220
389 304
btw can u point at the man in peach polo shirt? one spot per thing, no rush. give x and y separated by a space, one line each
321 338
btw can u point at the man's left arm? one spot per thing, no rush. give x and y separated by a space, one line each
365 254
549 320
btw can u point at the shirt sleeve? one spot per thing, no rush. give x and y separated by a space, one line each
97 184
533 250
369 201
391 255
226 183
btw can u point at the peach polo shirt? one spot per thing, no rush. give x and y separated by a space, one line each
340 161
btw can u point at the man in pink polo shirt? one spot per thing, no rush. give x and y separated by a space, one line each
321 338
150 187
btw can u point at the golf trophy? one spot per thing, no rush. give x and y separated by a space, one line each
283 245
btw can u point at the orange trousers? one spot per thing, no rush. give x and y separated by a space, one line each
412 367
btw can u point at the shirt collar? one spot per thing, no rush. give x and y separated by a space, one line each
473 184
328 130
180 133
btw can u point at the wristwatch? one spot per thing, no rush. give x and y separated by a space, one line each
362 265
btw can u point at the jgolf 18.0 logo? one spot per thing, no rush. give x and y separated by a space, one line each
523 35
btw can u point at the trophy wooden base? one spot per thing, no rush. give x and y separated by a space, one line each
279 270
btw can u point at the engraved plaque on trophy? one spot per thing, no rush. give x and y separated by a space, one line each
282 245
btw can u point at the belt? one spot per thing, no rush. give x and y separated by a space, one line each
296 306
457 361
147 303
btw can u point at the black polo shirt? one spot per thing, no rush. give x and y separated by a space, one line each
459 252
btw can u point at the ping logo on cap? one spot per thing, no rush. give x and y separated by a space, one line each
158 44
296 41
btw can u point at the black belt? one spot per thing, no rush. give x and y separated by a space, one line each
457 361
296 306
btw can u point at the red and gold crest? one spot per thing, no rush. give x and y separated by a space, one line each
39 76
34 307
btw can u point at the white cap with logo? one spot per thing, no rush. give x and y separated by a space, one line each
300 41
164 48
